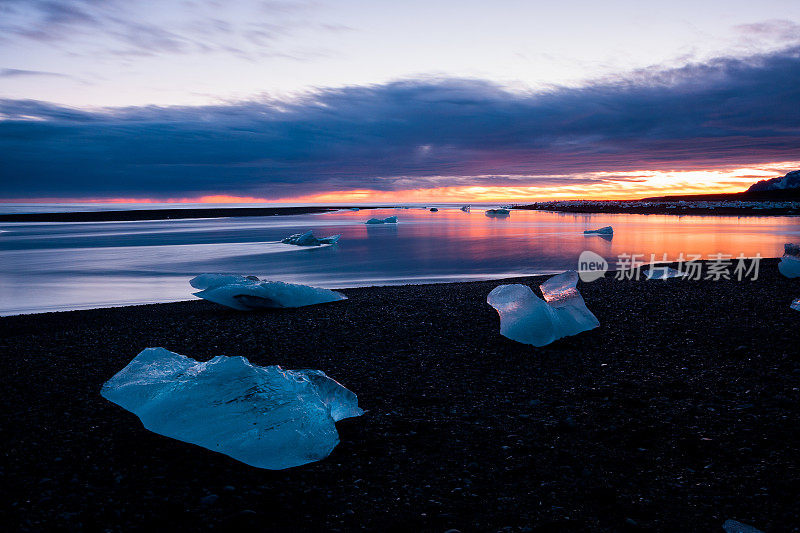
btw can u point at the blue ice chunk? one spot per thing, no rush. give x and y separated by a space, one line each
526 318
266 417
248 292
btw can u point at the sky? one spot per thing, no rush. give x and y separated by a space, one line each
254 100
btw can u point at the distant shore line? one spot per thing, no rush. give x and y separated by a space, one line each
617 208
170 214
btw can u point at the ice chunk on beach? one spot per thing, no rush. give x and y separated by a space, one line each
607 230
790 262
732 526
248 292
526 318
664 272
387 220
266 417
496 212
308 239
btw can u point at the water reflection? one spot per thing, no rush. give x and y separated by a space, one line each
46 266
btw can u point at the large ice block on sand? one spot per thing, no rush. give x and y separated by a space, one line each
387 220
266 417
248 292
664 272
790 262
308 239
526 318
607 230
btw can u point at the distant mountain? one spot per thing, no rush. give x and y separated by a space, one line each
779 189
789 181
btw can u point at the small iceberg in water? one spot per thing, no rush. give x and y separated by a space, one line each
387 220
466 208
308 239
790 262
497 212
664 272
265 417
526 318
434 209
247 293
608 230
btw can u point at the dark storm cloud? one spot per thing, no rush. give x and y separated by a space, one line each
416 133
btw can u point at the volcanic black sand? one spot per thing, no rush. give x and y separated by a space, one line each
680 411
164 214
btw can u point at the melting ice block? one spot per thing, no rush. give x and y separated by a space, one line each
664 272
790 262
308 239
607 230
266 417
526 318
387 220
248 292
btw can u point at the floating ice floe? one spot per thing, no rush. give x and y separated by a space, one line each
608 230
266 417
790 262
497 212
526 318
663 272
308 239
732 526
387 220
248 292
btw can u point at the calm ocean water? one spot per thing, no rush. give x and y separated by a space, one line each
61 266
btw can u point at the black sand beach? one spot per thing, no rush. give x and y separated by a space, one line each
680 411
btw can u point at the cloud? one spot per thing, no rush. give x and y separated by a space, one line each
410 134
18 73
244 28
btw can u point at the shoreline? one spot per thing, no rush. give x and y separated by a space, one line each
662 210
167 214
680 411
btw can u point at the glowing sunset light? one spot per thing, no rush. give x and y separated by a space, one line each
593 186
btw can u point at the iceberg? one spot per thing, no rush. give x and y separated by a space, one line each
466 208
526 318
387 220
434 209
265 417
308 239
790 262
497 212
248 292
607 230
664 272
